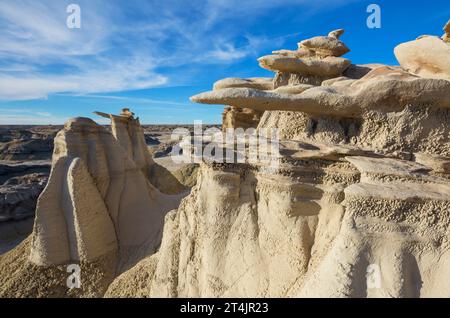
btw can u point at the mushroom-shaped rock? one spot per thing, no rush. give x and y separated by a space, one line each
426 57
385 89
308 101
328 67
326 45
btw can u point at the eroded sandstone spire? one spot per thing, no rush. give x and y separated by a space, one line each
99 198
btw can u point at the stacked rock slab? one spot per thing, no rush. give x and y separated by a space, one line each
371 109
98 198
358 207
317 59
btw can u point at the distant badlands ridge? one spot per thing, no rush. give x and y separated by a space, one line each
362 188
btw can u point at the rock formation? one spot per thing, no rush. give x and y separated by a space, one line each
358 108
362 188
27 149
358 205
99 197
428 57
18 196
235 117
20 143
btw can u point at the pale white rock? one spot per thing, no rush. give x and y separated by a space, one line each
293 89
72 222
427 57
93 228
386 92
326 45
317 150
400 191
328 67
50 239
437 163
297 53
387 166
262 83
113 181
357 71
335 80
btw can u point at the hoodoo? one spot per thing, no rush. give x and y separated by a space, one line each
361 187
358 204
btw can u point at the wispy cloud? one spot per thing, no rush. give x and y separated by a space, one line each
129 99
21 116
122 46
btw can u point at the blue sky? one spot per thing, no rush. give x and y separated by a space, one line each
152 55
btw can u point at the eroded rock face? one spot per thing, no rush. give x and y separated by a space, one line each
428 57
327 67
23 143
98 198
18 196
263 83
358 206
316 60
374 112
266 226
128 131
245 118
311 229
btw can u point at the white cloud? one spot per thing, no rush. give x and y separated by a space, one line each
135 99
227 53
31 120
28 117
122 46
